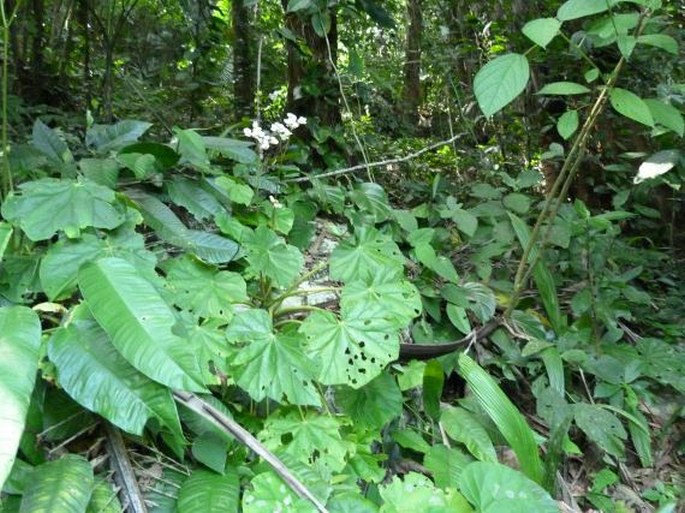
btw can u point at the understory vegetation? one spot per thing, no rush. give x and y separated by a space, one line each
342 255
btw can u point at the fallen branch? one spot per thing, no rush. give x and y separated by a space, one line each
381 163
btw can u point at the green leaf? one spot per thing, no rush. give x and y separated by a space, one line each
299 5
542 30
458 317
5 236
574 9
631 106
105 138
321 23
446 465
658 164
372 405
315 439
663 41
496 488
563 88
602 427
349 502
475 296
366 257
267 253
398 299
267 493
203 289
237 192
354 349
464 428
568 124
416 493
666 115
142 166
49 143
19 344
371 197
60 486
104 498
104 172
240 151
504 414
139 323
192 148
97 377
44 207
207 492
516 202
500 81
410 439
165 157
432 389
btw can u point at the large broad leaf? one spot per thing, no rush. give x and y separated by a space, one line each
267 494
50 144
5 235
207 492
139 323
475 296
663 41
164 156
446 465
240 151
500 81
60 486
104 498
97 377
371 198
59 267
666 115
496 488
602 427
463 427
203 289
373 405
44 207
268 254
105 138
574 9
190 195
353 349
542 30
505 415
399 299
315 439
563 88
19 344
366 257
272 365
416 493
192 148
631 106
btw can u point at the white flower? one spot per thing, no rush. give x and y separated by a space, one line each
247 132
302 120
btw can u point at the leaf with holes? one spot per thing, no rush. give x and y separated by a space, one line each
268 254
98 377
271 365
353 349
203 289
399 299
43 207
366 256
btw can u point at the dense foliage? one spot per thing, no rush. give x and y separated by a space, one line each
404 256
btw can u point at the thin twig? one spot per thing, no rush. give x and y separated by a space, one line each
380 163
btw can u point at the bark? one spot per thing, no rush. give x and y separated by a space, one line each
243 60
412 63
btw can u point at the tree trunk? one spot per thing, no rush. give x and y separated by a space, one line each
412 63
243 61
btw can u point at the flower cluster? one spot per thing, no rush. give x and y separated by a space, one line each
279 130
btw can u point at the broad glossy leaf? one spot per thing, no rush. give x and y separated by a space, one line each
666 115
299 5
19 343
97 377
574 9
446 464
500 81
496 488
240 151
165 157
463 427
141 165
350 502
210 247
663 41
366 256
208 492
190 195
272 364
268 254
505 415
50 144
315 439
399 299
105 138
516 202
44 207
416 493
475 296
602 427
410 439
192 148
353 349
139 323
631 106
101 171
60 486
563 88
5 235
267 493
59 267
371 197
104 498
568 124
237 192
203 289
542 30
374 404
